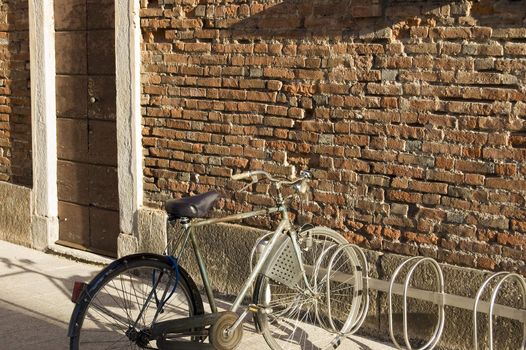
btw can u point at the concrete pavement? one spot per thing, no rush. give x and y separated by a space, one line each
35 288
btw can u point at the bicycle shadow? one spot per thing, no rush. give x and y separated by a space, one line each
35 305
25 329
302 334
27 266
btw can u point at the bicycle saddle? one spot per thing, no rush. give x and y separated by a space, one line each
193 206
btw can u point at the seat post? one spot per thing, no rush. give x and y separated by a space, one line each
181 242
203 271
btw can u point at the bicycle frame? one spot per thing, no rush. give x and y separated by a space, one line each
283 226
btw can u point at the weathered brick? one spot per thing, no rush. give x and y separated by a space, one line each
428 187
404 197
422 121
451 32
517 185
474 167
515 49
512 240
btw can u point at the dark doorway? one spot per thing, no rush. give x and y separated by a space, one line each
86 130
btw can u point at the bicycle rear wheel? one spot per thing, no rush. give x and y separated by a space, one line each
121 303
295 318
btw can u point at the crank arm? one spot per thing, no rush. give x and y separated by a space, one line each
198 333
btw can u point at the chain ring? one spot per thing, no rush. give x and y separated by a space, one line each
218 337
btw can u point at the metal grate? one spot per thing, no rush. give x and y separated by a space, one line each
282 264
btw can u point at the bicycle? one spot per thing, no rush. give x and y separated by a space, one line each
306 282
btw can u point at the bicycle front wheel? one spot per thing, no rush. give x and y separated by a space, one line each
124 300
298 318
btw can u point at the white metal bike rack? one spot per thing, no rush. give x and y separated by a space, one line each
439 300
364 307
357 316
501 277
362 283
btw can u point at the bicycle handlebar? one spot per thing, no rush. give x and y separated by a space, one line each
253 173
241 176
304 175
300 184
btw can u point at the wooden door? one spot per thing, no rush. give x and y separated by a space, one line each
86 132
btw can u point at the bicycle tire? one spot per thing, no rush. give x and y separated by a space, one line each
291 319
107 309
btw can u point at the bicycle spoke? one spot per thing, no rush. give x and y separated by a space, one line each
110 316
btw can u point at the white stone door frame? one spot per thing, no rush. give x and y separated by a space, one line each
129 128
43 123
45 226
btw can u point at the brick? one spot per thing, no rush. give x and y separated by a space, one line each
474 167
482 32
423 161
277 110
474 179
261 96
297 113
512 240
474 49
384 89
515 49
274 85
421 238
518 140
486 78
451 32
428 187
518 254
404 197
479 108
197 47
518 185
508 169
280 73
517 225
395 62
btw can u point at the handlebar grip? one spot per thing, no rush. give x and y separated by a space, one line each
242 176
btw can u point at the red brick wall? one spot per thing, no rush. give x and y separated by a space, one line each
15 99
410 113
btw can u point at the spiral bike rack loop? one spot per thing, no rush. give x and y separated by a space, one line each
316 274
416 261
358 309
501 277
357 277
358 313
